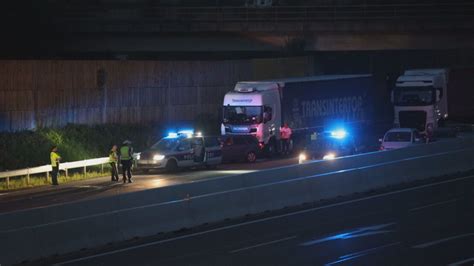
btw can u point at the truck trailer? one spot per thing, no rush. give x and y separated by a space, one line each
308 105
425 98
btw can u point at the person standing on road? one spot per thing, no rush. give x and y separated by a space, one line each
55 158
285 135
113 160
126 153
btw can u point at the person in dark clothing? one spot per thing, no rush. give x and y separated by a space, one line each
126 159
113 160
285 135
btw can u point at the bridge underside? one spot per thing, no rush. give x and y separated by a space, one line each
133 30
139 45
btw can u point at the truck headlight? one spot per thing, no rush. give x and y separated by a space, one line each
329 156
158 157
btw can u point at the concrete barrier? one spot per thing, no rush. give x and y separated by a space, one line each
70 227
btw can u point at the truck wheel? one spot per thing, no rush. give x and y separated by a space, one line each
171 166
251 157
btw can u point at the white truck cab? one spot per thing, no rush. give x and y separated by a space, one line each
253 108
420 99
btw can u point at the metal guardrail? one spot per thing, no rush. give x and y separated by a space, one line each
47 168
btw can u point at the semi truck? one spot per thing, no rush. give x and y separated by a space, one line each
425 98
308 105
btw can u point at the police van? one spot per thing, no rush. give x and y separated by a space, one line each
181 150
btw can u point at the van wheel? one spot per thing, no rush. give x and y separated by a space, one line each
251 157
171 166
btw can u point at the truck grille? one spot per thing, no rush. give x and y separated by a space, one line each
413 119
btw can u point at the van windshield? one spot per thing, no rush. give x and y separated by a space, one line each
242 114
166 144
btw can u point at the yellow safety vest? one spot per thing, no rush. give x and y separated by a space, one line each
125 153
54 159
113 158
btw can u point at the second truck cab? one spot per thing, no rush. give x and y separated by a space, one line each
420 99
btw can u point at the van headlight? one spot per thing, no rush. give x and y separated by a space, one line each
329 156
158 157
302 157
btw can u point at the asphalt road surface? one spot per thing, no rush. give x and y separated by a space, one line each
426 224
103 187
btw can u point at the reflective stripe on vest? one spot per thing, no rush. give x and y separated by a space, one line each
124 153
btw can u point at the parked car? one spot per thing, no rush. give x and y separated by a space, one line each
240 148
397 138
181 150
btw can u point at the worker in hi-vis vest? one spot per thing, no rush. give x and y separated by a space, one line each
126 159
55 158
113 160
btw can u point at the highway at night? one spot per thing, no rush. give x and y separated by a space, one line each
427 224
247 132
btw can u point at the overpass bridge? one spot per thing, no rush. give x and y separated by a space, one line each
123 27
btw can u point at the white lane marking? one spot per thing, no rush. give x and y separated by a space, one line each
263 244
265 219
361 253
432 205
439 241
349 236
3 194
358 232
461 262
93 186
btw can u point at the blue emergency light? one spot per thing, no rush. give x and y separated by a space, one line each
188 133
172 135
339 134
